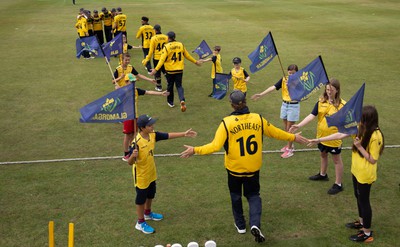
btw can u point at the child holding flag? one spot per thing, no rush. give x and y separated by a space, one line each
144 169
290 110
368 146
216 66
328 104
121 79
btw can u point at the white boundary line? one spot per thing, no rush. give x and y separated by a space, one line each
157 155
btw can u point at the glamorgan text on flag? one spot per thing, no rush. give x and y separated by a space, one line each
117 106
263 54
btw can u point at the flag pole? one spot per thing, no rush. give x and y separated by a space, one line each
323 66
105 57
279 58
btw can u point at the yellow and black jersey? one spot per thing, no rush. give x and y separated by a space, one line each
282 84
97 24
241 135
157 43
145 32
82 26
324 109
107 18
216 66
238 78
120 22
144 169
172 57
120 70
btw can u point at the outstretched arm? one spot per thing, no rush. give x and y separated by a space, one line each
267 91
305 121
335 136
187 133
188 152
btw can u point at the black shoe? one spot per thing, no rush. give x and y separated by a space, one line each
258 236
319 177
335 189
354 225
362 237
210 95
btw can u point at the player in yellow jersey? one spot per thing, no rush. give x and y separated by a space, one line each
98 26
240 77
241 135
82 29
172 57
144 169
328 104
216 66
145 33
157 43
290 109
119 24
107 19
367 148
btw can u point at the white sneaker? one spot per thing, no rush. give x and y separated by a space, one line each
241 231
258 236
143 227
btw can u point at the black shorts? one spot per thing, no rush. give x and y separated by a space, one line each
326 149
143 194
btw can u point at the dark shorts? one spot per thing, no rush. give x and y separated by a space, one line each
143 194
332 150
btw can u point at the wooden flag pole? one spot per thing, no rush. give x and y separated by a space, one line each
283 71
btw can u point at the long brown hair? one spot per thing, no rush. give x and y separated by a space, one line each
336 84
368 124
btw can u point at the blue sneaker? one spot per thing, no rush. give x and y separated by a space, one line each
146 229
153 216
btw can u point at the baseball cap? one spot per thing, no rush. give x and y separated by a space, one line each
145 120
171 35
119 9
104 9
157 27
237 97
237 60
95 11
144 18
113 10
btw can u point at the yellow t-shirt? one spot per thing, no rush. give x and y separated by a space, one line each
120 22
365 172
325 109
216 67
157 44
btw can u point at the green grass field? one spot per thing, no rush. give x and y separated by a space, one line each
43 86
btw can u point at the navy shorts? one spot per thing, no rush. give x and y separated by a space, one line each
332 150
143 194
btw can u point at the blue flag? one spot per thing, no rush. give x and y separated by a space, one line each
308 80
203 50
89 44
114 47
114 107
263 54
347 118
221 85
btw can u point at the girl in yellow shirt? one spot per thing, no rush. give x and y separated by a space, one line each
368 145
